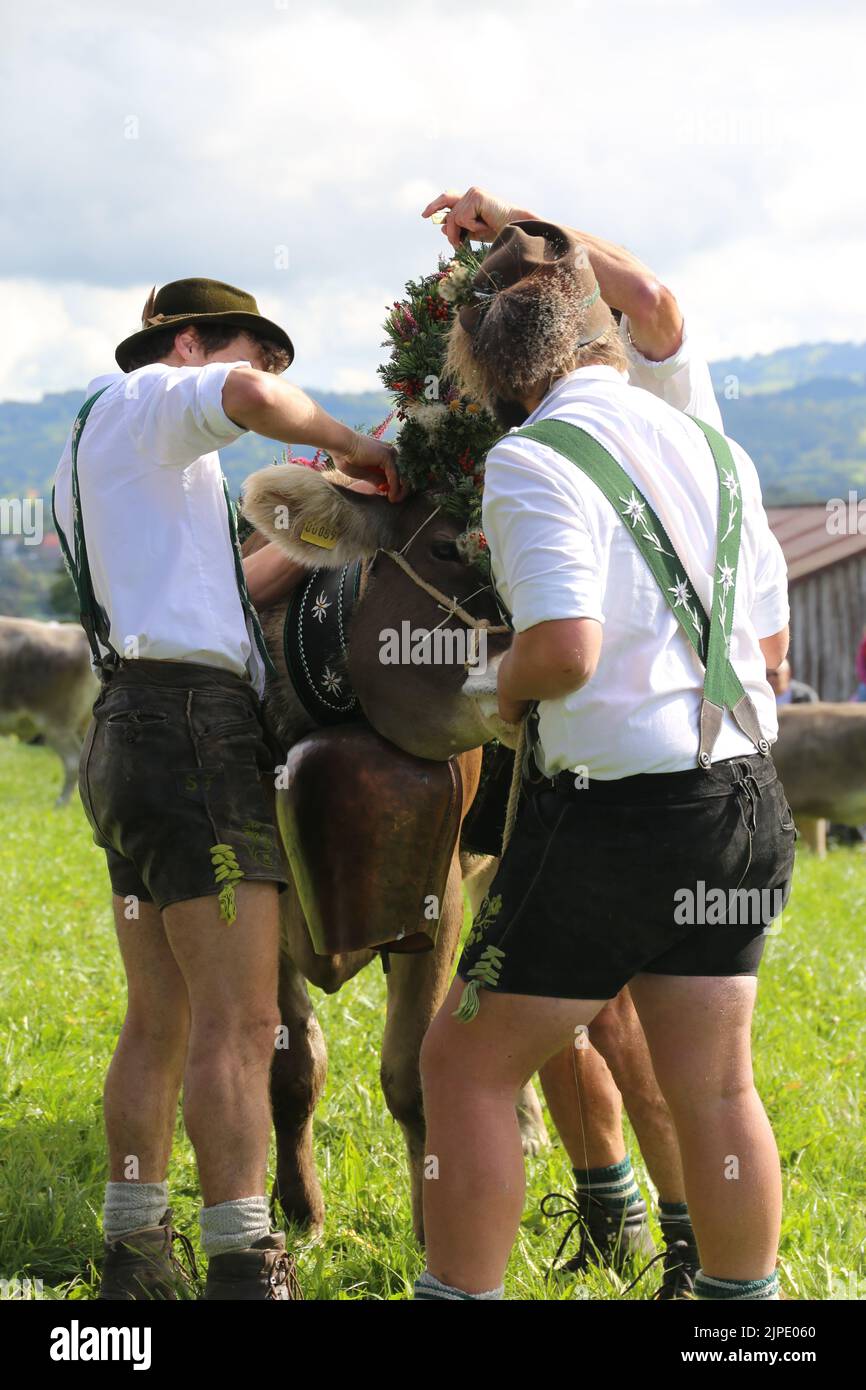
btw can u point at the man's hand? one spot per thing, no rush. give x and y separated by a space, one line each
654 317
480 214
374 462
512 711
257 401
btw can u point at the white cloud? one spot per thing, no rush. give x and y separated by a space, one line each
718 139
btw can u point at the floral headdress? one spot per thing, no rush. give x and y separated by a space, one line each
444 436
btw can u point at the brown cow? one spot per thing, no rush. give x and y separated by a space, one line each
821 757
47 687
422 709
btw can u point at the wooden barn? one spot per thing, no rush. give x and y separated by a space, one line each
827 580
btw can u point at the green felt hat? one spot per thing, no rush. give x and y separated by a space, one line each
192 301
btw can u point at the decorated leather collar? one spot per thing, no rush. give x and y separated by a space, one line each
315 635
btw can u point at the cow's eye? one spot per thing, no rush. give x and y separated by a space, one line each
445 550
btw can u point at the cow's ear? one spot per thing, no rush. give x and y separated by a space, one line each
315 517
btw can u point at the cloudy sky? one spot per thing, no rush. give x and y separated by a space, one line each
289 147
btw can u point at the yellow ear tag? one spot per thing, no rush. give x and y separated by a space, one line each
316 535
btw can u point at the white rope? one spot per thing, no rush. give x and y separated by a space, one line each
420 529
454 608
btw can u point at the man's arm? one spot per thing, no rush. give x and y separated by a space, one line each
269 406
546 662
775 647
655 321
271 575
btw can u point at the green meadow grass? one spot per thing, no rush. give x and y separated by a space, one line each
61 1004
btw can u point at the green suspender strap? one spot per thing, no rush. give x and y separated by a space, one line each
709 636
246 601
92 615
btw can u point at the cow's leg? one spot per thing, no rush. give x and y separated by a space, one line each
813 830
297 1080
417 984
67 746
533 1130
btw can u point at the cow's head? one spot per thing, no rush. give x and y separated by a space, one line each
418 693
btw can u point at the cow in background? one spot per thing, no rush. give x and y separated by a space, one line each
821 758
47 688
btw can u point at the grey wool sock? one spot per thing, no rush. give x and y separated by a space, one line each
428 1288
132 1206
234 1225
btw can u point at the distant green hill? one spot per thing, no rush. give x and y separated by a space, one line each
32 435
800 412
808 442
789 367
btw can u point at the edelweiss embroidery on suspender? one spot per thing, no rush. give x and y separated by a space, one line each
710 637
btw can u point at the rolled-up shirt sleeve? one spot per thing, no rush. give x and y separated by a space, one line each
179 415
544 561
770 610
683 379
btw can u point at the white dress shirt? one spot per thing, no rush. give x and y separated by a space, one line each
155 519
683 380
560 550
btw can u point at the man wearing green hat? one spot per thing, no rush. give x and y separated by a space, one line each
176 773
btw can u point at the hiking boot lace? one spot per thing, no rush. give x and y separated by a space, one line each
284 1273
571 1206
190 1275
676 1278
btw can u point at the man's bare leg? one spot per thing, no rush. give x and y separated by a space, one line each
231 978
472 1073
584 1104
143 1081
585 1088
698 1031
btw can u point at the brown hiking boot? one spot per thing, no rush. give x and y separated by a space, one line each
142 1265
263 1271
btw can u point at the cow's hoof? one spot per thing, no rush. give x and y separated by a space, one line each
303 1211
534 1140
533 1131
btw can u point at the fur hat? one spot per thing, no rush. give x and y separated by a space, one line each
533 302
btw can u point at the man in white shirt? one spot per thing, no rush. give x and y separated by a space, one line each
177 775
611 547
585 1085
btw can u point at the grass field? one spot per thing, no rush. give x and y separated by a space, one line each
62 1002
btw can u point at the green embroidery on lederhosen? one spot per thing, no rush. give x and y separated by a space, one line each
488 967
486 971
260 838
228 872
487 914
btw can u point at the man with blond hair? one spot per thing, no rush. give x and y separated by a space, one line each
586 1084
648 596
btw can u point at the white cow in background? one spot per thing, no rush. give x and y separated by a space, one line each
47 687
